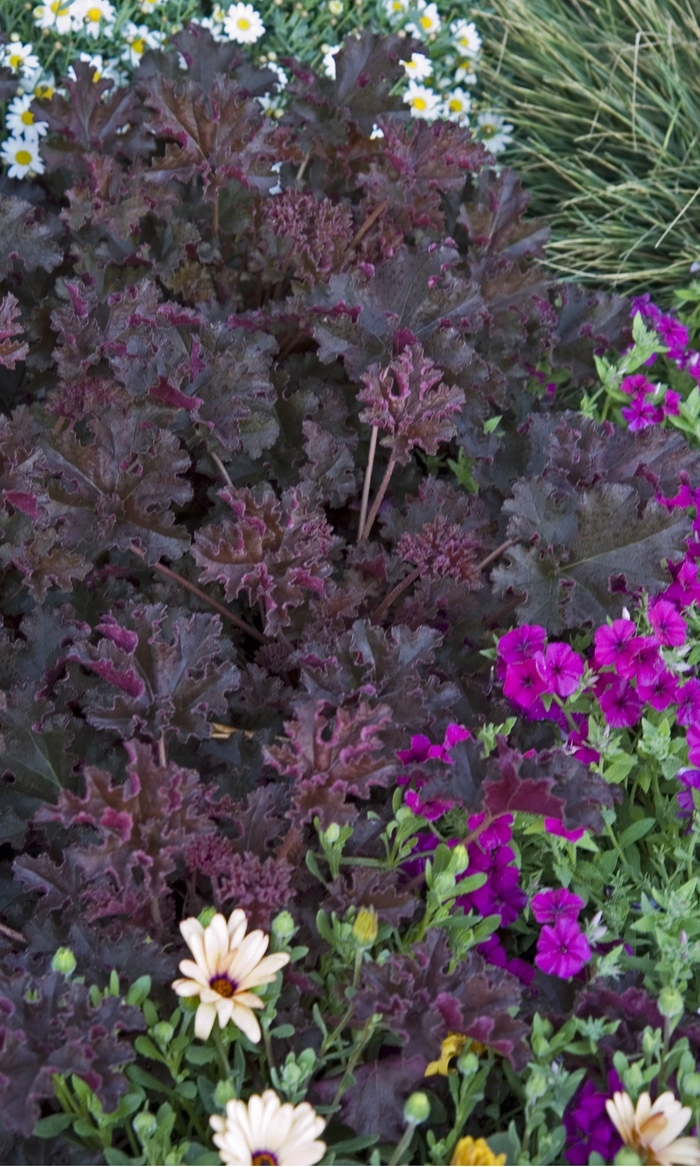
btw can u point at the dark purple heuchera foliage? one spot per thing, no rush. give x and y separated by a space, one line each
203 315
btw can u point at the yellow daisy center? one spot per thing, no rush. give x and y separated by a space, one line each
23 157
223 986
94 14
488 129
419 103
28 118
425 22
243 23
456 105
59 8
44 91
138 45
16 60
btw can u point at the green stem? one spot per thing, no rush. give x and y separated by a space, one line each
403 1145
365 1034
221 1051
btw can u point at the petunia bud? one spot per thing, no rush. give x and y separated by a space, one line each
333 833
417 1108
206 916
64 962
364 930
460 859
670 1002
145 1125
467 1063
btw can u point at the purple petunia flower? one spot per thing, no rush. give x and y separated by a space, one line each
562 949
661 693
560 668
621 705
554 827
500 896
497 834
674 335
671 404
643 662
690 781
637 385
523 683
522 643
588 1127
551 905
669 627
641 414
693 738
611 643
688 698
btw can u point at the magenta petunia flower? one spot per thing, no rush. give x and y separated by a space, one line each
661 693
669 627
688 698
560 668
453 734
689 781
621 705
645 662
562 949
500 896
637 385
489 861
431 808
611 642
671 404
674 334
554 827
641 414
522 643
693 737
523 683
554 904
588 1127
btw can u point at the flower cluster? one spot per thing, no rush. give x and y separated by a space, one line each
562 948
588 1126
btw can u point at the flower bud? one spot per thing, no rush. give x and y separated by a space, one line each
283 927
443 883
364 930
417 1108
627 1157
223 1093
670 1002
460 859
691 1085
468 1063
206 916
163 1033
145 1124
332 834
535 1086
64 962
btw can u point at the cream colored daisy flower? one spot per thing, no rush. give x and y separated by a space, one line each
427 22
418 68
227 965
268 1133
424 102
57 14
94 17
19 58
652 1129
243 24
22 156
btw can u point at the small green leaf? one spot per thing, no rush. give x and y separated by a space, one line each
52 1125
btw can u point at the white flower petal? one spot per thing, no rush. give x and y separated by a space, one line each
204 1020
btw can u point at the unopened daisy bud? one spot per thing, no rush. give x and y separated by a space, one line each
145 1125
417 1108
364 930
206 916
223 1093
64 962
283 927
163 1033
626 1157
670 1002
335 7
468 1063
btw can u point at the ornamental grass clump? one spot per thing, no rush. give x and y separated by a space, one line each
605 101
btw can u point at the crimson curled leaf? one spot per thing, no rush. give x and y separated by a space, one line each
274 549
143 824
159 672
11 350
332 757
119 489
409 403
49 1026
220 135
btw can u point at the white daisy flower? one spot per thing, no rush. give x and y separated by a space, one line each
215 28
464 73
243 24
44 89
282 78
265 1130
377 132
22 157
328 62
138 38
418 68
395 8
21 121
149 6
19 58
93 16
456 106
466 37
227 965
272 105
58 14
424 102
494 131
100 68
652 1129
427 23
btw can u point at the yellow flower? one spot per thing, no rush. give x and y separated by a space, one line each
652 1129
365 928
471 1152
227 965
452 1047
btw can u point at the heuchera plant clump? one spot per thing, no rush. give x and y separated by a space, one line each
275 465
